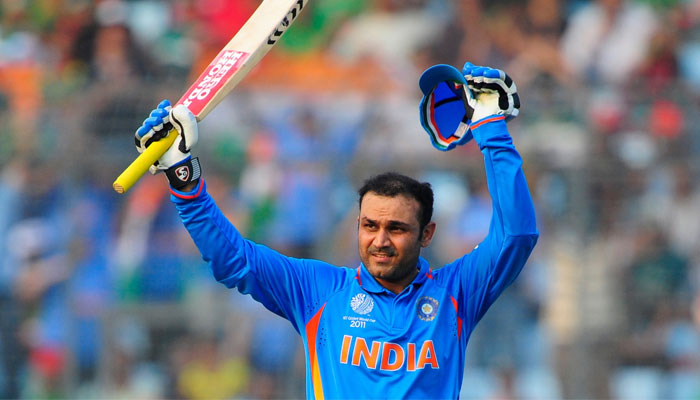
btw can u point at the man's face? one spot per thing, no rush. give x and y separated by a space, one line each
390 239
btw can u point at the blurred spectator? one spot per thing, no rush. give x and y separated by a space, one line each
119 85
656 284
35 270
316 153
128 374
601 286
107 48
260 180
91 282
12 353
660 66
317 25
42 296
677 212
682 348
21 74
273 351
606 41
300 219
537 44
388 33
210 373
463 36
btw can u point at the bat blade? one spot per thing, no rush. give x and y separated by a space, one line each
255 38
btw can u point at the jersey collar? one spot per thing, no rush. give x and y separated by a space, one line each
368 283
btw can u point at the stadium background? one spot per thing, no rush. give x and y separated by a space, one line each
105 296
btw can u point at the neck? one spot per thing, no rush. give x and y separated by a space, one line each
397 287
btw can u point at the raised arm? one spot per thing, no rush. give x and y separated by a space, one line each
513 226
476 103
498 260
282 284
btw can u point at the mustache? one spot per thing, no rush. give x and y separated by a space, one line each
385 251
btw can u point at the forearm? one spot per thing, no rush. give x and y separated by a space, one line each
513 209
513 234
218 241
279 282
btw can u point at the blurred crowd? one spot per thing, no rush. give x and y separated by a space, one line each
105 296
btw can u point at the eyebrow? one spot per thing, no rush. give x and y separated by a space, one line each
392 223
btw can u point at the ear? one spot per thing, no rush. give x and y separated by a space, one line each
427 234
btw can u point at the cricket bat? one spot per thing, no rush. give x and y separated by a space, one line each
255 38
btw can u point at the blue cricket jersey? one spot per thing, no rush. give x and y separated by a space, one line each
361 340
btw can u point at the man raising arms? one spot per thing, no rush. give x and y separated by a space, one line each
392 327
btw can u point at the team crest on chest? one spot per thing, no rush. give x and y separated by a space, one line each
362 304
426 308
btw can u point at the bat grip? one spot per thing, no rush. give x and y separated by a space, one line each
140 165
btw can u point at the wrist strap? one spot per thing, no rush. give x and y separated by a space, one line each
182 174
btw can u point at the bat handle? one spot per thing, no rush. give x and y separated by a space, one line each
140 165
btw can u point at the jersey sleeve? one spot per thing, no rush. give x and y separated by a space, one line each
496 262
290 287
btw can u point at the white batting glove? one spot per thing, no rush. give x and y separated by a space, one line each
493 92
177 162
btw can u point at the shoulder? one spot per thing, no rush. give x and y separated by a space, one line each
451 272
326 274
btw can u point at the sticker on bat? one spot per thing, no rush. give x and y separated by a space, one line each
282 27
215 76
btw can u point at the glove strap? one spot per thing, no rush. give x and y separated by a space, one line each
182 174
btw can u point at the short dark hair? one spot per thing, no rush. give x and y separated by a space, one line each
392 184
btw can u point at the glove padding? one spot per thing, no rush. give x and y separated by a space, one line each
493 92
177 162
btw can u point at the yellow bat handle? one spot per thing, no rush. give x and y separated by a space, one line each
140 165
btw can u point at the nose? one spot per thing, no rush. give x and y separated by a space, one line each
381 239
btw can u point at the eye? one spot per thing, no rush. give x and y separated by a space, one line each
369 225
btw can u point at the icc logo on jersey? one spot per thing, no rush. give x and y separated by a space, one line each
426 308
362 304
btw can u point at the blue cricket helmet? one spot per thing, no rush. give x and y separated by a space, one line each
444 112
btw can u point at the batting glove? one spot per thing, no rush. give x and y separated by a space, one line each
177 162
493 92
